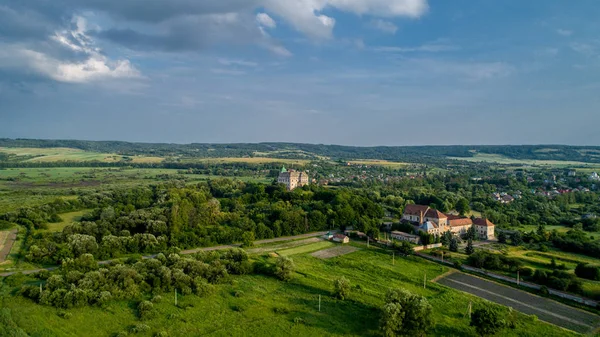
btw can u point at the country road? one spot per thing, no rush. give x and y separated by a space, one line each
188 251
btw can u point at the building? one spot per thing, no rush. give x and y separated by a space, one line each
401 236
572 173
328 236
341 238
292 178
484 228
428 220
595 176
421 214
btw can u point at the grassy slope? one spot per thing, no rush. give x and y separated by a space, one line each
495 158
252 313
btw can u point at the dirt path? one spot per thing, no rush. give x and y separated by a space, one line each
189 251
545 309
7 239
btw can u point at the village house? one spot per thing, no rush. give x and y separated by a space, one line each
292 178
341 238
484 228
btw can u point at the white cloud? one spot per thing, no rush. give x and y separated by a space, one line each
88 65
384 26
307 17
265 20
564 32
586 49
241 63
434 47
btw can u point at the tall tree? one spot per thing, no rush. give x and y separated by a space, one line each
405 313
462 206
487 321
469 249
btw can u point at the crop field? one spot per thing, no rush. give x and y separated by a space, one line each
305 248
256 305
494 158
334 252
547 310
384 163
249 160
69 154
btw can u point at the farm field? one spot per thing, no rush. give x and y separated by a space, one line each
75 155
256 305
547 310
384 163
494 158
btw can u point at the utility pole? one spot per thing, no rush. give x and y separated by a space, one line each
469 309
442 256
40 288
319 303
518 278
425 281
367 242
175 296
393 258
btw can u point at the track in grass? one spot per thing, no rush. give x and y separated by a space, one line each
7 239
545 309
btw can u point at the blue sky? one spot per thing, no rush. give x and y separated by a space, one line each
353 72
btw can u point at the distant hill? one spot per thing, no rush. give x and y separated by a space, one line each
588 154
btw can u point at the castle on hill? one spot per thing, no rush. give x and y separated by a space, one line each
292 178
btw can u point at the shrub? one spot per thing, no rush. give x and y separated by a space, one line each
161 334
238 293
146 310
156 299
405 313
284 268
341 288
281 310
298 320
139 328
587 271
487 321
526 271
544 291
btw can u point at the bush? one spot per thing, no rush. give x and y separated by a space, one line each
544 291
281 310
405 313
526 271
284 268
341 288
139 328
238 293
487 321
146 310
161 334
298 320
587 271
156 299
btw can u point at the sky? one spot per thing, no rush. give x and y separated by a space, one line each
350 72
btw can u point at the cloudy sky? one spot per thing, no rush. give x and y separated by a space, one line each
355 72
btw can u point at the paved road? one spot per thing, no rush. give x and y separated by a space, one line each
545 309
189 251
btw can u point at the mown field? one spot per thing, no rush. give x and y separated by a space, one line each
256 305
499 159
75 155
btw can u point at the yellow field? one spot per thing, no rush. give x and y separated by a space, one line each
68 154
253 160
385 163
494 158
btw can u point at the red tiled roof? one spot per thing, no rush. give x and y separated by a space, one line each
415 209
340 236
483 222
435 214
458 221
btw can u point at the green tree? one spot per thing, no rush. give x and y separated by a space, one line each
502 237
470 249
341 288
453 245
405 313
284 268
487 321
248 239
462 206
517 238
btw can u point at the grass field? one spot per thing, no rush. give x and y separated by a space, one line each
69 154
67 218
265 306
306 248
494 158
384 163
36 186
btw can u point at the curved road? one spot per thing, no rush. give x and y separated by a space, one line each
188 251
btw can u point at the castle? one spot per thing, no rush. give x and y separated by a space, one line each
292 178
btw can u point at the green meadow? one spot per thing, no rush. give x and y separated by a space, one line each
257 305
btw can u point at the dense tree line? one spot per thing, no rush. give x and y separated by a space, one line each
151 219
